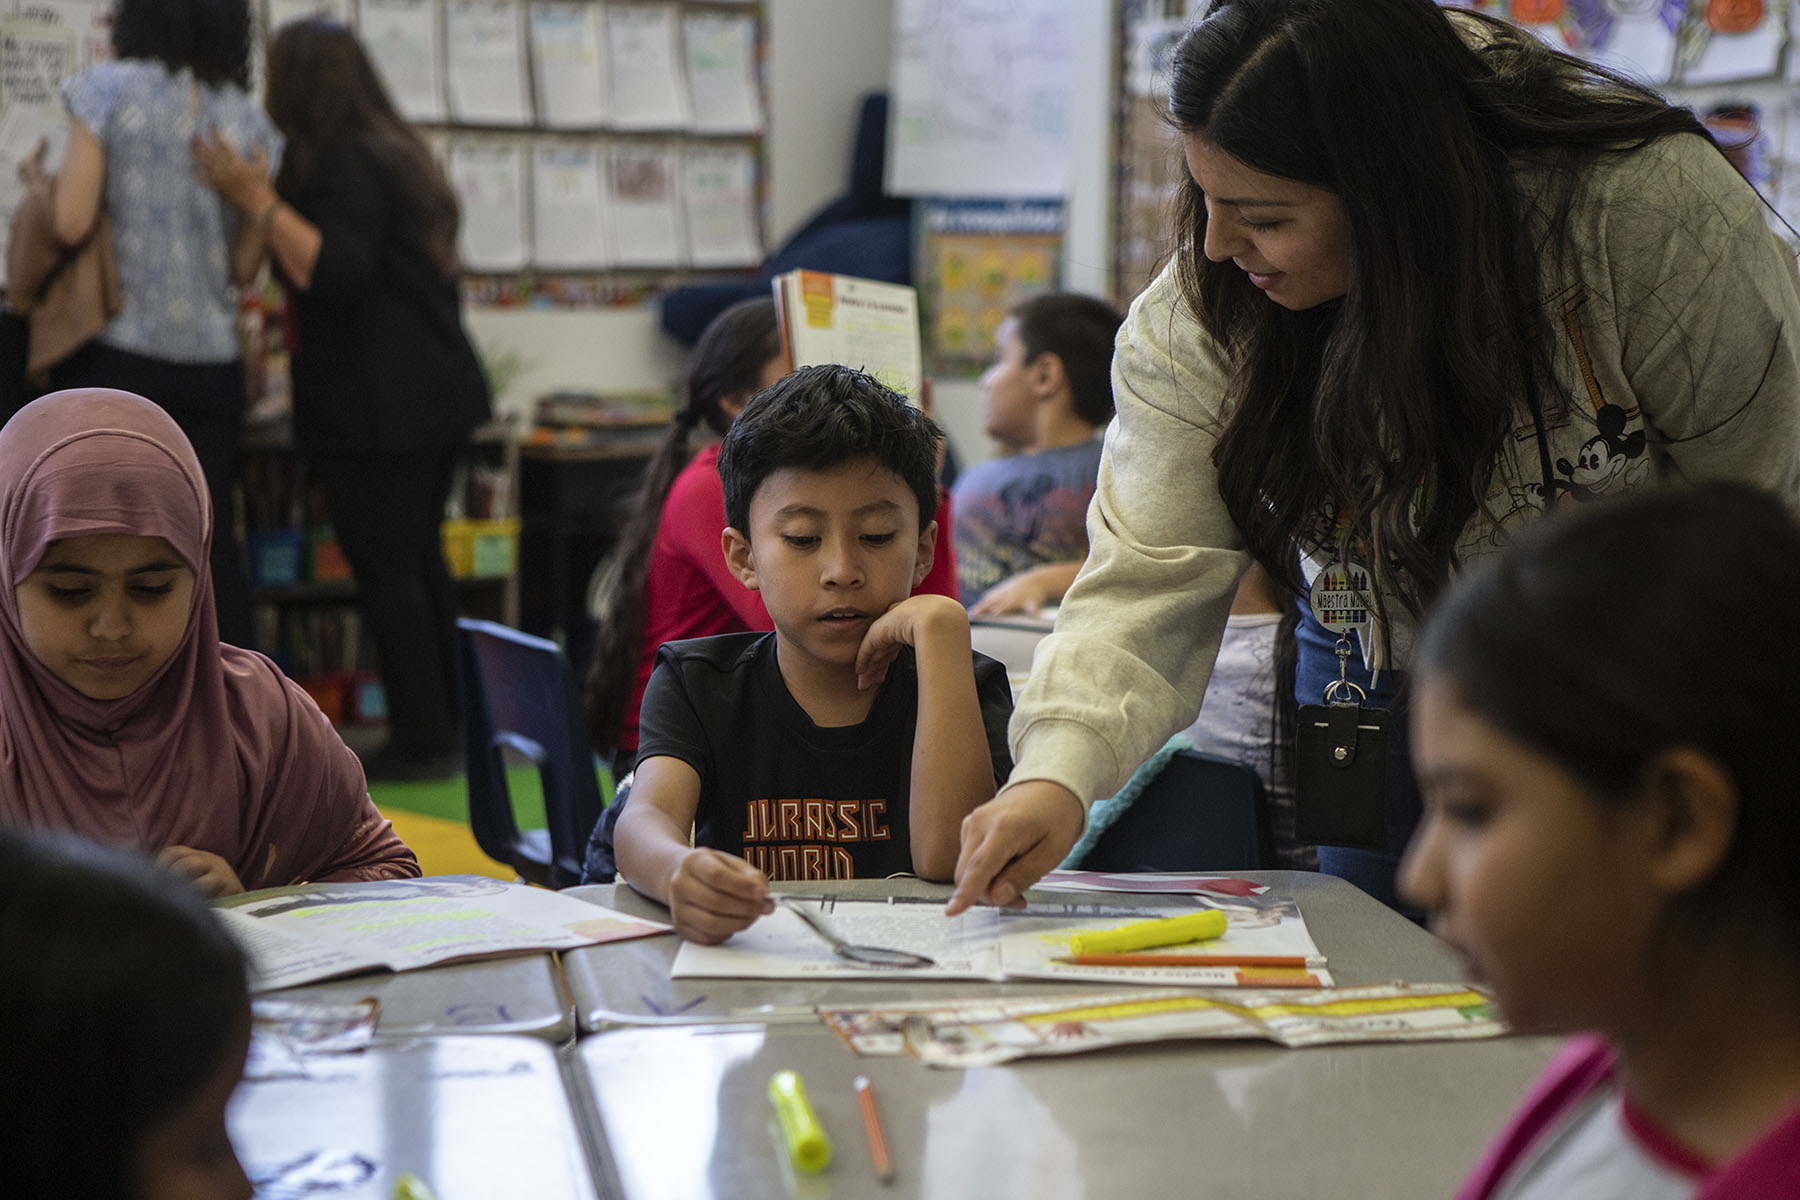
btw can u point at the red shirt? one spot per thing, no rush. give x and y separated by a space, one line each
689 592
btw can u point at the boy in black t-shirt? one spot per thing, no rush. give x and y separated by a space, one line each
854 739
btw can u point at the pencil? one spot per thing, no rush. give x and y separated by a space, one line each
878 1147
1191 960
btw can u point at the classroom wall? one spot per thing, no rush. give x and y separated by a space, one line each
823 55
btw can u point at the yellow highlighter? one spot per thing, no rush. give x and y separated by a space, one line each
807 1146
1141 935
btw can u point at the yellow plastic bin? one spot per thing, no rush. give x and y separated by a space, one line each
482 548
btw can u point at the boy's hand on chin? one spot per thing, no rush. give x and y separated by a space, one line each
916 621
712 895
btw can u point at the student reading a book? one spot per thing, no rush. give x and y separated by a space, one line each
122 715
127 1020
1610 835
670 581
1021 520
1432 278
854 739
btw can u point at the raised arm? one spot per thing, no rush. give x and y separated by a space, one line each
263 217
952 772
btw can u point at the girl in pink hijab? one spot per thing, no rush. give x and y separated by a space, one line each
122 716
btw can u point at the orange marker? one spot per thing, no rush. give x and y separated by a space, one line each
878 1147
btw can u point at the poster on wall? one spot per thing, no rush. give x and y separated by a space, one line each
980 98
977 260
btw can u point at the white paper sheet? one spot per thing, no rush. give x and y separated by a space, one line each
568 59
644 67
643 206
34 58
986 943
283 11
568 225
718 193
406 42
490 184
721 72
981 98
485 44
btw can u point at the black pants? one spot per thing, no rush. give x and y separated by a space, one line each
388 509
207 400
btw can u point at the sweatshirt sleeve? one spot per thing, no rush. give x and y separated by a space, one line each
1138 631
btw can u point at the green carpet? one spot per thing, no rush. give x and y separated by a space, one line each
448 799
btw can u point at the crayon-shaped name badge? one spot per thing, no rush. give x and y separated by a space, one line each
807 1146
1169 931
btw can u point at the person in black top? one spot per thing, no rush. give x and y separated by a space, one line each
854 739
361 224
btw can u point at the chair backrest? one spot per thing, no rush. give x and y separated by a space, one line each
1200 813
519 692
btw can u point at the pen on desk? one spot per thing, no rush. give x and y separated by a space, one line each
807 1146
1191 960
878 1147
1141 935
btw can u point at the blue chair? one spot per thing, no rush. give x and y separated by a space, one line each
1200 813
518 692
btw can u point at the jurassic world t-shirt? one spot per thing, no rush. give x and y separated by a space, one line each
797 800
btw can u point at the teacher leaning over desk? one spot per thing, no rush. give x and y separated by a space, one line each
1433 278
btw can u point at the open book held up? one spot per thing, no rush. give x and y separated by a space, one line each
860 323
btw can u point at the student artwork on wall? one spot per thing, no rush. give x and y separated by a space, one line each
568 60
490 183
283 11
718 189
568 225
644 65
721 71
644 206
34 57
405 37
484 41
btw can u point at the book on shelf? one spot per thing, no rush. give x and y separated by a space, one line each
862 323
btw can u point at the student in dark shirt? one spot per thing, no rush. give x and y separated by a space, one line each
854 739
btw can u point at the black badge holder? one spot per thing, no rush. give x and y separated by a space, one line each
1341 779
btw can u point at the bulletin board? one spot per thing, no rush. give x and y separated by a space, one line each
1736 63
601 150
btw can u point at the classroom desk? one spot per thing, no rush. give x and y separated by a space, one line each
474 1117
683 1111
627 983
524 994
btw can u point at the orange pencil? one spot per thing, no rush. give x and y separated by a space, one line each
1192 960
878 1147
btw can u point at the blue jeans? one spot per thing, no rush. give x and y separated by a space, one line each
1371 870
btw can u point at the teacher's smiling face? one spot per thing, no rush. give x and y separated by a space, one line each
1292 239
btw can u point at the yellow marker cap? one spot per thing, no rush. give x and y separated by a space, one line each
1141 935
807 1145
411 1187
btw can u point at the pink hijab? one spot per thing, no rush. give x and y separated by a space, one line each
218 750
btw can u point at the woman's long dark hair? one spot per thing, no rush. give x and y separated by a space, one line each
322 88
211 38
1390 405
728 360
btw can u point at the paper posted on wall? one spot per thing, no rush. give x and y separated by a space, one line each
303 934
